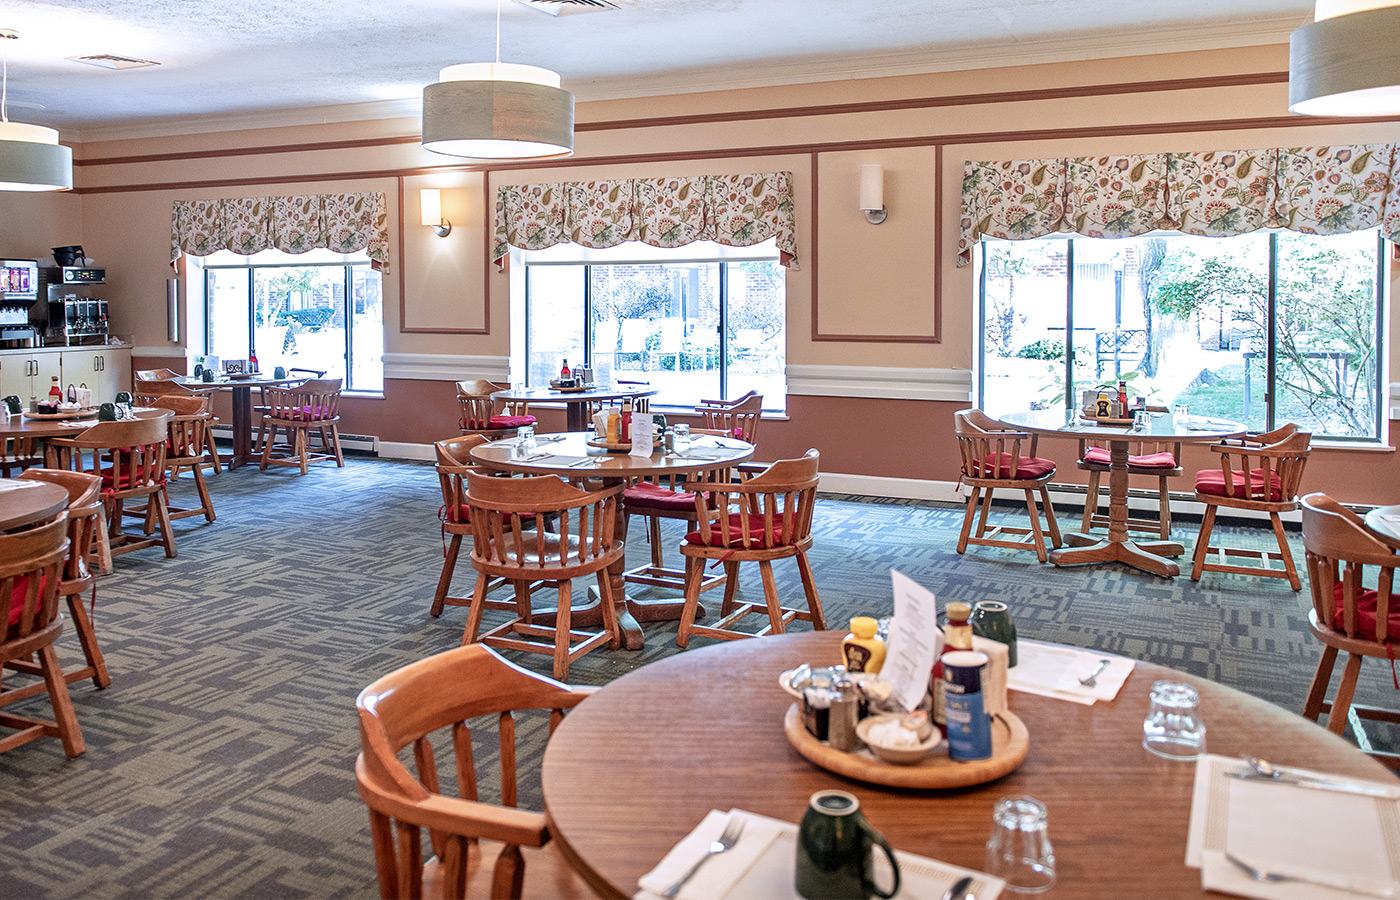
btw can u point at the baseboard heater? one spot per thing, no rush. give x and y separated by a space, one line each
364 442
1182 502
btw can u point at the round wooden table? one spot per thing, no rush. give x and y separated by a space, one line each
24 502
1150 556
576 402
242 424
636 766
1387 531
571 457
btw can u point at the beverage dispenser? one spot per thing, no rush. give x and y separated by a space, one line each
77 315
19 290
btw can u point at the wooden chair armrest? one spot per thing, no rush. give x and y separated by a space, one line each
522 827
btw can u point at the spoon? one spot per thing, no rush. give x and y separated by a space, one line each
1093 677
959 889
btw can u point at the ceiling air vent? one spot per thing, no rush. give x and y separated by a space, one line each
111 61
568 7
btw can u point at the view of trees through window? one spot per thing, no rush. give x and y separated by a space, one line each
1260 328
693 330
313 315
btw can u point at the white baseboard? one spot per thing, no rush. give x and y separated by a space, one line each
366 442
397 450
881 486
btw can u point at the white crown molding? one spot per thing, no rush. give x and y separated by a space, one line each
951 385
445 367
407 108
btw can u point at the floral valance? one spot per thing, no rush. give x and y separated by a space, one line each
1314 190
344 223
738 210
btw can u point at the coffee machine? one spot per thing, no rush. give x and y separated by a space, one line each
77 316
19 290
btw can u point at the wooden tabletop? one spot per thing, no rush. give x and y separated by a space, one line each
568 453
1382 529
199 384
636 766
22 426
24 502
1068 424
601 392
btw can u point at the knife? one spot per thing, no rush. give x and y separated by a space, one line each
959 889
1320 784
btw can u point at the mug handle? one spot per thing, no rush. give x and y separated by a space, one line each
868 883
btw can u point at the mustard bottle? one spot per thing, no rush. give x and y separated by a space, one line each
862 650
614 427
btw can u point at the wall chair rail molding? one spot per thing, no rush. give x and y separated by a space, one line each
445 367
880 382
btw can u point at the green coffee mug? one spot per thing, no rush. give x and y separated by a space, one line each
279 372
207 375
107 412
123 397
13 402
991 619
834 850
198 369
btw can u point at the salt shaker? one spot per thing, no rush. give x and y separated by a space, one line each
843 716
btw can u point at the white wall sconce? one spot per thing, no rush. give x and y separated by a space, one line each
430 203
1344 62
872 193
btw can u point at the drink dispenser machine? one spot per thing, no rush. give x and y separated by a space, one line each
19 289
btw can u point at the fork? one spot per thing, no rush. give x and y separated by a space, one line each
1276 877
728 839
1093 677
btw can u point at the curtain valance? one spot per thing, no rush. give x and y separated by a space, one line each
344 223
737 210
1314 190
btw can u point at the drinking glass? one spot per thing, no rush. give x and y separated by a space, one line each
1019 849
124 410
1140 420
1180 413
525 440
1173 728
680 435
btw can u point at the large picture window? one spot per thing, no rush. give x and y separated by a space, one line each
317 310
691 325
1259 328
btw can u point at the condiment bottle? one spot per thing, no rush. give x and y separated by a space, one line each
863 650
564 373
957 635
1123 398
614 427
253 361
625 425
55 392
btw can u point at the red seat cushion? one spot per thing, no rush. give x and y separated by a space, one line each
645 495
510 421
1366 613
1212 481
309 413
735 525
109 477
1163 460
1030 467
22 584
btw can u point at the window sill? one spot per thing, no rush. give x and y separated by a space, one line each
1352 447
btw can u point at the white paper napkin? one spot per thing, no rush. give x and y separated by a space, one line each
1055 672
719 874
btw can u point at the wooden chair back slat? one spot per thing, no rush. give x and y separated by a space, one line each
1285 458
736 418
505 511
1339 550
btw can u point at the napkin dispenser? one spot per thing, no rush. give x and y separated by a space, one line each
998 664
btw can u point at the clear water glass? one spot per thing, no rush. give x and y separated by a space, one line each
525 440
680 435
1180 413
124 411
1173 728
1019 849
1141 420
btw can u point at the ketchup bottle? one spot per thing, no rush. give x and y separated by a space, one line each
564 373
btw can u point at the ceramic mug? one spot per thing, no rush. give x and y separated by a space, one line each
279 372
198 370
123 397
107 412
12 402
834 847
991 619
207 376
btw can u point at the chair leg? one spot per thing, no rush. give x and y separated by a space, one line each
449 566
986 508
1287 555
1312 708
1164 508
302 450
731 585
162 515
654 529
967 519
1037 536
1050 521
809 585
770 594
335 443
203 487
266 446
474 614
211 451
1091 502
87 638
694 570
1203 543
562 624
64 717
1337 720
102 543
610 624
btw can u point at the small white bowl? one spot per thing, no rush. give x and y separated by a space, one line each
903 756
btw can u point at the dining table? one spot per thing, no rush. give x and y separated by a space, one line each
1384 523
576 400
1118 546
24 502
635 767
242 390
575 456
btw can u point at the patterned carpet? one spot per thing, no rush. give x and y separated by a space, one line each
219 762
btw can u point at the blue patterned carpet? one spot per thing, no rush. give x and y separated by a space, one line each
219 762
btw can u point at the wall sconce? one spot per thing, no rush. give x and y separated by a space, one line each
430 201
872 193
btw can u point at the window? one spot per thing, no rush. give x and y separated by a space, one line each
1261 328
316 310
698 322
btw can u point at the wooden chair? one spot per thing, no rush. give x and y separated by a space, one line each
157 375
1160 460
412 705
85 523
771 518
487 417
585 544
261 408
1347 615
31 566
992 458
732 418
1268 484
19 452
188 448
149 391
129 457
313 405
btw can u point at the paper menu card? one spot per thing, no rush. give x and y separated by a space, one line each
1291 830
643 434
913 643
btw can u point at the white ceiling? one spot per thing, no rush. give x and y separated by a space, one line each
255 59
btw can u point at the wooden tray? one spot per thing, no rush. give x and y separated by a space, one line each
1010 742
70 414
240 376
1107 421
618 448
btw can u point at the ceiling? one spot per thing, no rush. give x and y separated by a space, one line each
254 61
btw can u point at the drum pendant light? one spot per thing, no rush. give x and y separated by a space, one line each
31 158
498 111
1344 63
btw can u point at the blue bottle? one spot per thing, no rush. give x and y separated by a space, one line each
969 725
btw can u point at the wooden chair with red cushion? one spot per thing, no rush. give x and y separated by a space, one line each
129 457
435 698
507 544
737 418
31 569
313 405
187 448
1347 615
149 391
85 524
995 456
760 519
488 417
1160 460
1260 473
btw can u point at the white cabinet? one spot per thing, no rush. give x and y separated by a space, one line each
29 373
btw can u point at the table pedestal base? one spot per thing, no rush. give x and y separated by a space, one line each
1150 556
